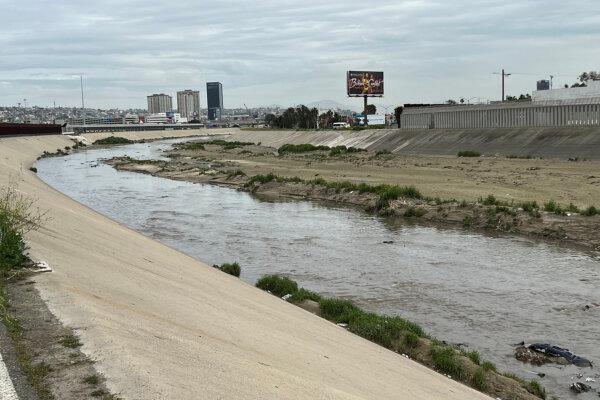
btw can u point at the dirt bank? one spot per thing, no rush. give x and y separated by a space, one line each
160 324
235 166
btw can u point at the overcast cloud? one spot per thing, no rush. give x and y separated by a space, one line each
288 52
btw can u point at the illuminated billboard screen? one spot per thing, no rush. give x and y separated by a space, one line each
364 83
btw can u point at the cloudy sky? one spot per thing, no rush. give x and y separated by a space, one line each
287 52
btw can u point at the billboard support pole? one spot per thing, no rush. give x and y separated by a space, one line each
365 110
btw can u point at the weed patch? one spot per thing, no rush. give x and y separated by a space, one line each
478 381
277 285
112 140
300 148
231 269
445 361
469 153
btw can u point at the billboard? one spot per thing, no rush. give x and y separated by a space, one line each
364 83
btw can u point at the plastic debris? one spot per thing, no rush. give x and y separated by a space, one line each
286 297
42 266
341 324
579 387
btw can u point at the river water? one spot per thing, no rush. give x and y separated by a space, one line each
486 292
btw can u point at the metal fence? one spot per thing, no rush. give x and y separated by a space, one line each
583 112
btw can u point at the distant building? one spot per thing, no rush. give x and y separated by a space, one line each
188 104
591 91
160 103
214 94
165 118
544 84
132 119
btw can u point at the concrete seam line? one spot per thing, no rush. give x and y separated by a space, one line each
7 390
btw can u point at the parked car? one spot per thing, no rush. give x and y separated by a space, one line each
341 125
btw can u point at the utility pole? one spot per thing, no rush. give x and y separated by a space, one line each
366 119
504 75
551 79
82 101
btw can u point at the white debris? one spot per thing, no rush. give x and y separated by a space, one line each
42 266
286 297
588 379
341 324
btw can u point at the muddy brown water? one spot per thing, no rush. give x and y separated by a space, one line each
485 292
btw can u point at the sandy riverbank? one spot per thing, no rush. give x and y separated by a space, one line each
163 325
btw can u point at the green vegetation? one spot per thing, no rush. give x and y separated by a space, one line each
339 150
231 269
33 169
300 148
536 389
190 146
338 310
228 145
17 217
467 221
277 285
92 380
469 153
478 381
305 294
70 341
554 207
111 140
411 340
474 356
446 361
591 211
233 173
489 366
383 153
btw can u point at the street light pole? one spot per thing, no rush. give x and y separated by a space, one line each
82 101
504 75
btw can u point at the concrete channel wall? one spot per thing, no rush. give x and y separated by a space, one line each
555 113
582 141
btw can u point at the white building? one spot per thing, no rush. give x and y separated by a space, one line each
188 104
592 90
132 119
165 118
160 103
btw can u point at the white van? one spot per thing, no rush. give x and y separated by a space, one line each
341 125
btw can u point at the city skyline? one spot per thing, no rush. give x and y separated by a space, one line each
290 53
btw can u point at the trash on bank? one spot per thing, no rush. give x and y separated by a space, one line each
579 387
543 353
287 297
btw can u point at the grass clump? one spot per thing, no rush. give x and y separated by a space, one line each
70 341
92 380
467 221
305 294
489 366
338 150
383 152
411 340
112 140
227 145
191 146
473 356
478 381
338 310
590 211
300 148
469 153
18 215
536 389
231 269
445 360
277 285
554 207
233 173
262 178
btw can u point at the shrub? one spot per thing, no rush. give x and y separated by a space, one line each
277 285
300 148
305 294
489 366
490 200
338 310
191 146
469 153
233 173
553 207
17 217
411 340
530 206
445 361
383 152
113 140
231 269
227 145
33 169
373 327
262 178
478 381
536 389
591 211
467 221
473 356
337 150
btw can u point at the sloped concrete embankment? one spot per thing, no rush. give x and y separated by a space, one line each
580 142
162 325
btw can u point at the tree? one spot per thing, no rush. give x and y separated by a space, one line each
451 102
588 76
398 113
271 120
371 109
